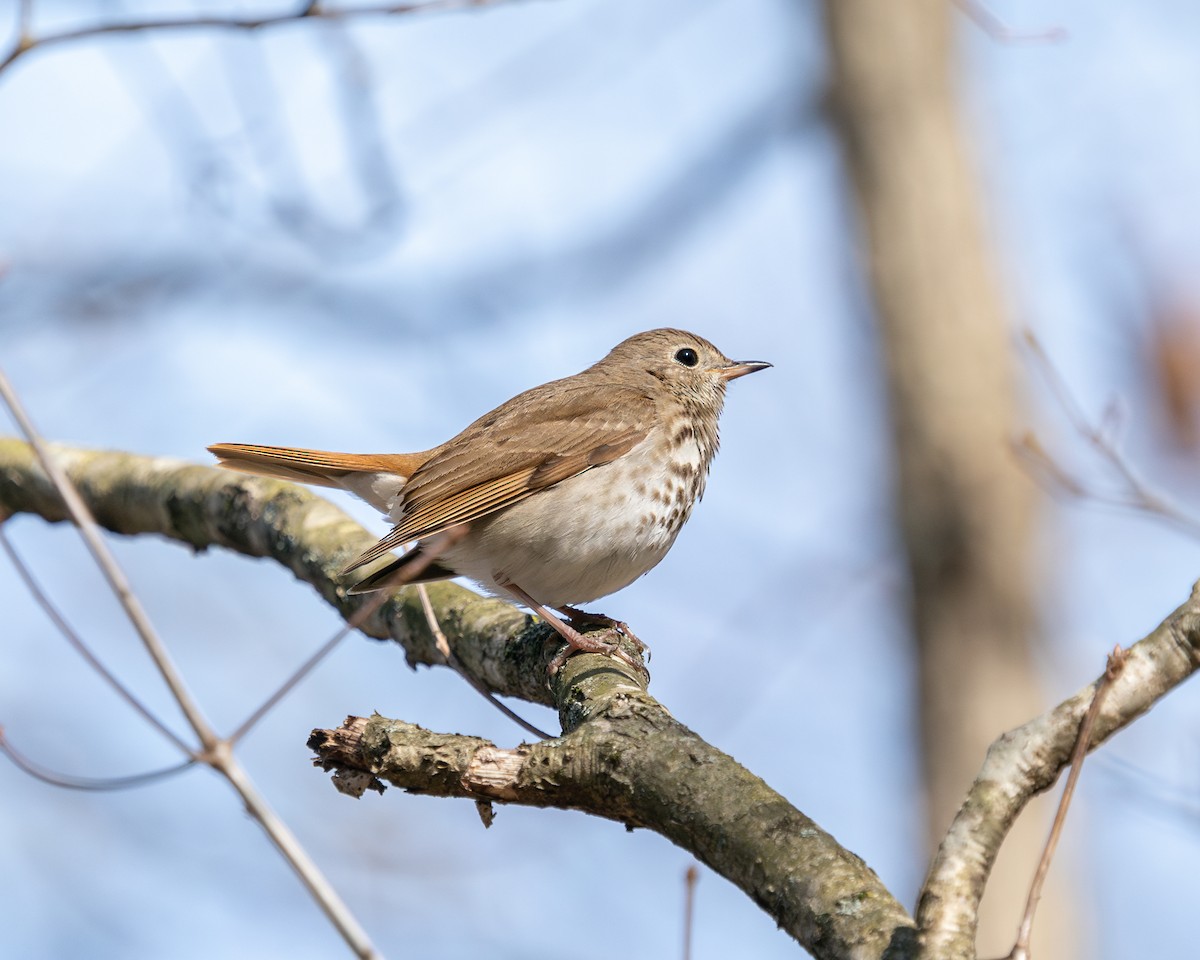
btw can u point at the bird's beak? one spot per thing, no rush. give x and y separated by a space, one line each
739 368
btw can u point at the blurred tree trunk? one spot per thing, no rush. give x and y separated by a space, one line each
965 509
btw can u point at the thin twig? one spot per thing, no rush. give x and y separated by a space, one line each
997 29
1094 435
38 772
287 201
432 549
1116 663
306 11
439 638
1137 495
24 22
290 683
1174 800
217 753
443 646
107 563
690 877
81 647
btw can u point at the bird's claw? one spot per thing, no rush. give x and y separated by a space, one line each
611 648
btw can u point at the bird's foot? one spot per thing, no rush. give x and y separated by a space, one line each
587 642
582 618
591 643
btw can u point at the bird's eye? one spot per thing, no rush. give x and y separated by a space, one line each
687 356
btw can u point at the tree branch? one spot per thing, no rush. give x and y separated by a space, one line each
308 10
1027 761
626 759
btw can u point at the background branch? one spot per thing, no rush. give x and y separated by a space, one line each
965 514
26 41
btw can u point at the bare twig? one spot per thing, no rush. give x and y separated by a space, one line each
24 21
94 540
998 30
1046 470
1116 663
38 772
443 645
439 638
1134 494
362 131
284 194
434 547
77 642
305 11
690 876
217 753
290 683
1173 800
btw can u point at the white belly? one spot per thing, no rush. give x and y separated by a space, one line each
587 536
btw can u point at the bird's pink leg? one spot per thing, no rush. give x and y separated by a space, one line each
575 639
577 617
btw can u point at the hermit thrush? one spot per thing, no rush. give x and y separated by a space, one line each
566 493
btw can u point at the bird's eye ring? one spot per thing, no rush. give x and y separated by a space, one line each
687 356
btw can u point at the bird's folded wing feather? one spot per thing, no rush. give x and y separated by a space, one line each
534 441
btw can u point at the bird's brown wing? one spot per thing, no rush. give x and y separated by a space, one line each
537 439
